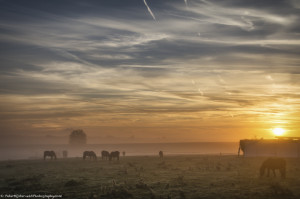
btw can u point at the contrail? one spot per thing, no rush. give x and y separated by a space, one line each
149 10
185 1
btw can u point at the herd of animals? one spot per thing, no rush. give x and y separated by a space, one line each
105 155
270 164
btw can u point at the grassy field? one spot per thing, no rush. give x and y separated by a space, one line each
149 177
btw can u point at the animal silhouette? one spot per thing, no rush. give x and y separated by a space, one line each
114 154
65 154
161 154
90 154
105 155
51 154
273 164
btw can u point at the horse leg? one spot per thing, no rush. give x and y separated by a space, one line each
268 173
282 172
274 173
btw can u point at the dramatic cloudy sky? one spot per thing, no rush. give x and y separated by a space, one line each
155 70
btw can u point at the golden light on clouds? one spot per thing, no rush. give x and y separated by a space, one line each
193 75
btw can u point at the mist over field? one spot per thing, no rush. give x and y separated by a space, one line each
136 149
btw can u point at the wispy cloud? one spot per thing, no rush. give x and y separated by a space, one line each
109 65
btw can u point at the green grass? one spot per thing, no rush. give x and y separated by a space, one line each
149 177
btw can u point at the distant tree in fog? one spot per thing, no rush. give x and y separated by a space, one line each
77 137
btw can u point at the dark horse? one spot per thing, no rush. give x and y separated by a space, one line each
161 154
65 154
90 154
272 164
50 154
105 155
114 154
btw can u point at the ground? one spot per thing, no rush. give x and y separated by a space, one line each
185 176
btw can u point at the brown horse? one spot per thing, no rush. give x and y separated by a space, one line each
51 154
65 154
272 164
161 154
105 155
114 154
90 154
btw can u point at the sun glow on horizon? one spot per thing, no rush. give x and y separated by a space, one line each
278 131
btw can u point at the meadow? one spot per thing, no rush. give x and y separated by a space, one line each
185 176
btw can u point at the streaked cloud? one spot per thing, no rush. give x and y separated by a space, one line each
222 67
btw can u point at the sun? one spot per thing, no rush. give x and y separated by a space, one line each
278 131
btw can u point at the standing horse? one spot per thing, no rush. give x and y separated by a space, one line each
50 154
161 154
105 155
114 154
65 154
90 154
272 164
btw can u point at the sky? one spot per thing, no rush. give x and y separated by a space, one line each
150 70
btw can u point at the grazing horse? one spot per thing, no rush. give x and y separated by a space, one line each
65 154
114 154
105 155
161 154
50 154
90 154
272 164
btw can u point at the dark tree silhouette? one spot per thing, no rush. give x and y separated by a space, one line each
77 137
